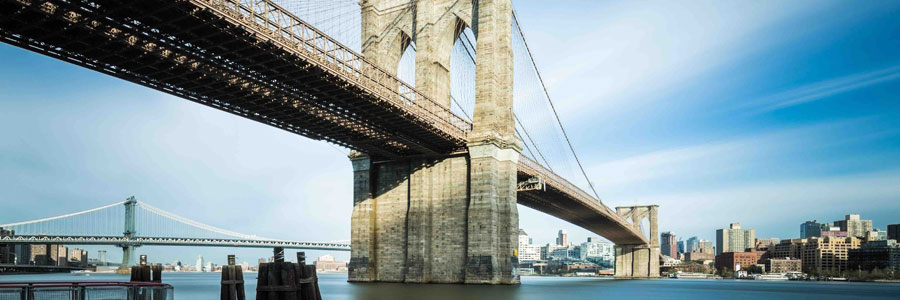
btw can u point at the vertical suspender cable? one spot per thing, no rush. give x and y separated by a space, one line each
541 79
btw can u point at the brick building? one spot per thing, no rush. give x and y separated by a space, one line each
327 263
730 260
784 265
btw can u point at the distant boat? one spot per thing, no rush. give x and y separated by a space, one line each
684 275
770 277
836 279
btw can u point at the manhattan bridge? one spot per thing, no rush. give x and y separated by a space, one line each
129 224
446 115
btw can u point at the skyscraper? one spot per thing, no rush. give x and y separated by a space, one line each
810 229
562 238
527 251
681 247
894 232
854 226
101 257
667 244
707 246
693 244
734 239
199 263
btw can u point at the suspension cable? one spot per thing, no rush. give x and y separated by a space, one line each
62 216
553 108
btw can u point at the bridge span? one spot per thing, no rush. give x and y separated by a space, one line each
164 241
434 193
129 224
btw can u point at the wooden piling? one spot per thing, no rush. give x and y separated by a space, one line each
232 281
282 280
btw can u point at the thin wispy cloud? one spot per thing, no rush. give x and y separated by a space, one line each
808 150
775 207
825 89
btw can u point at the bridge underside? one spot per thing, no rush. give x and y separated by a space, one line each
433 202
209 52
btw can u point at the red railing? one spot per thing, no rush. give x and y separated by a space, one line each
86 291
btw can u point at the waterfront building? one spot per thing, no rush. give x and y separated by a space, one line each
681 247
670 262
570 252
827 253
893 232
37 255
199 263
791 248
784 265
810 229
78 257
527 252
734 239
854 226
707 246
7 251
667 244
48 255
210 267
101 258
699 255
834 233
547 251
692 244
327 263
765 244
22 254
595 250
731 260
883 254
876 235
562 238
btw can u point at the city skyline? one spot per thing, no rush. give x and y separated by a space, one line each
774 136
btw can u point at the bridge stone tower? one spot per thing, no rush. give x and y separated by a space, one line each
130 231
639 261
450 218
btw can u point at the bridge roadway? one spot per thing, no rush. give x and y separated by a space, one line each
158 241
254 59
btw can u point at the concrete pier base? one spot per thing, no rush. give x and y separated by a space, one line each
639 261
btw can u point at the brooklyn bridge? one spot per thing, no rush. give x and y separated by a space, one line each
448 119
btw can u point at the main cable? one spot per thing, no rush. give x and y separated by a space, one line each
553 108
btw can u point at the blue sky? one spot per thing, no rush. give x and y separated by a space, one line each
768 113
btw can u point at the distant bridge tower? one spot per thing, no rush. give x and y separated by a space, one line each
442 218
639 261
130 232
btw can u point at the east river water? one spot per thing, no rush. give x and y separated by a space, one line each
205 286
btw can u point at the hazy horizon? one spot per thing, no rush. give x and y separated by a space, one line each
767 113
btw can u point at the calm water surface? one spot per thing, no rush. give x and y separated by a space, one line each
205 286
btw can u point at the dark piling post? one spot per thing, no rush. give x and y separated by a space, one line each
141 272
309 282
157 273
232 281
280 280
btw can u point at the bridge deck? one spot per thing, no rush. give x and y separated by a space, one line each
163 241
254 59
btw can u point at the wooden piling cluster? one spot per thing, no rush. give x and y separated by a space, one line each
278 280
145 272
